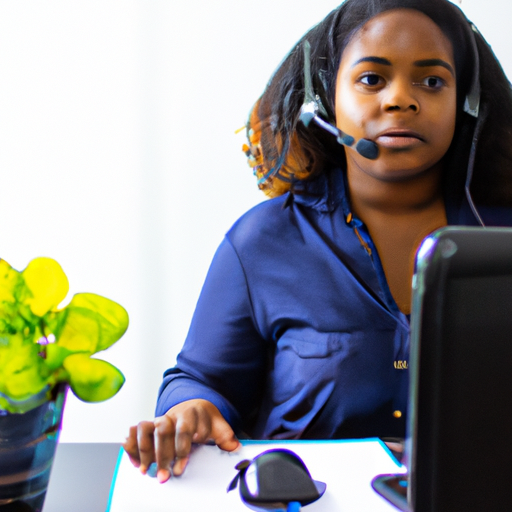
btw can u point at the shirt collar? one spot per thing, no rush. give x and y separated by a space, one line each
328 190
323 193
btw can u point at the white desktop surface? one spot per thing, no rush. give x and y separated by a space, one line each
347 467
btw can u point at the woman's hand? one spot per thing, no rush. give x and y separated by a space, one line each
169 438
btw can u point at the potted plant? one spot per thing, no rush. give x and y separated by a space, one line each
44 350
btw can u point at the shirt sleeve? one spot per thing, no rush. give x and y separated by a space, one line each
224 356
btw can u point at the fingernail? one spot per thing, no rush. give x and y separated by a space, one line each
152 470
179 466
143 469
237 448
163 475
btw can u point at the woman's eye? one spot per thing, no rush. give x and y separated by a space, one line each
370 80
433 82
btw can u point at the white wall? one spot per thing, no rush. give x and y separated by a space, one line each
118 156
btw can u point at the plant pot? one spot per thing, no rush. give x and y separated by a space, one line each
27 448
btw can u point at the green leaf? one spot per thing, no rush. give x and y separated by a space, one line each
75 329
111 317
4 404
47 283
12 286
55 356
89 323
10 280
22 374
92 380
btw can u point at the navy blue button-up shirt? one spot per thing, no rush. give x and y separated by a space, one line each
296 333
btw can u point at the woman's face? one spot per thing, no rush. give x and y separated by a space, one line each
396 87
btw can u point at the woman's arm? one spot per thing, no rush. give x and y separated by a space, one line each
219 378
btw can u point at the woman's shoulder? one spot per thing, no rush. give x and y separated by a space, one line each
268 218
277 217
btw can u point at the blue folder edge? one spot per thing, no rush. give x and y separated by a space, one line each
114 479
323 441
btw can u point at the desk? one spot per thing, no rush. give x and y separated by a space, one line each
81 477
347 467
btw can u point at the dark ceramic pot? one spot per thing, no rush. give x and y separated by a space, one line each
27 448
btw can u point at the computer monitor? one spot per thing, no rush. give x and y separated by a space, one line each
459 441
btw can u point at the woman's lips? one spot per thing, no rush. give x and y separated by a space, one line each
399 139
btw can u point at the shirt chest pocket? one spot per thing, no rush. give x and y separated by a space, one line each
307 361
320 345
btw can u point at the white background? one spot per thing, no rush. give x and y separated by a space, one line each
118 156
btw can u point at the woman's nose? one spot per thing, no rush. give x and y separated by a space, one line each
400 97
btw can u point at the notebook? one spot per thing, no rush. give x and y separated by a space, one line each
459 439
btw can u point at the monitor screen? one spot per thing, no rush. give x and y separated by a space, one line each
460 425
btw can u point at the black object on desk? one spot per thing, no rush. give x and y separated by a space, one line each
274 480
459 449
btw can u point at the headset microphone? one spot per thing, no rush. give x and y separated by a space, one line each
364 147
309 112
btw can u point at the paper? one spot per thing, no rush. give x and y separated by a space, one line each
347 467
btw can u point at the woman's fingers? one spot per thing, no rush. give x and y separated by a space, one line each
199 421
223 434
164 446
131 447
203 431
186 427
146 444
168 439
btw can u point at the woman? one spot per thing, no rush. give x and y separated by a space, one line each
302 327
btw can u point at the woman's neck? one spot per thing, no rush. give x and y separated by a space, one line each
371 197
398 216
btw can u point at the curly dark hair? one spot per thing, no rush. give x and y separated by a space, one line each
290 152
